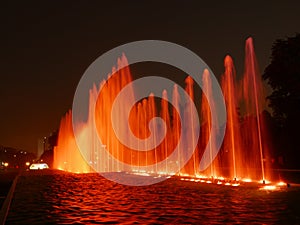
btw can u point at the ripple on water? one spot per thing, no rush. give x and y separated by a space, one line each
63 198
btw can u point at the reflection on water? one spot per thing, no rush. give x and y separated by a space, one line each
62 198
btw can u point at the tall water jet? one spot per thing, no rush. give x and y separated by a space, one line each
67 156
254 100
166 117
190 117
242 153
152 111
206 117
232 139
176 124
104 116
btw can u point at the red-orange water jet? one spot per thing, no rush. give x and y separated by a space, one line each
245 145
232 140
67 156
206 118
253 103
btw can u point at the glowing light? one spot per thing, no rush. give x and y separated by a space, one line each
235 184
142 174
269 188
27 163
39 166
208 182
281 183
162 173
185 175
6 164
68 157
247 180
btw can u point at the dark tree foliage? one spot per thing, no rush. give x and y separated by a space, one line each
283 75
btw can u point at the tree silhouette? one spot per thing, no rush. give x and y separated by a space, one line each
283 75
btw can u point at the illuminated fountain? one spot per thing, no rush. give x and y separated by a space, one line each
206 117
232 142
254 130
67 157
243 152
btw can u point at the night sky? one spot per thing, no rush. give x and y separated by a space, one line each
45 47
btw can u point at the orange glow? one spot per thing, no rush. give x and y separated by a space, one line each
67 156
268 188
281 183
207 123
243 153
246 144
264 182
185 175
247 180
232 140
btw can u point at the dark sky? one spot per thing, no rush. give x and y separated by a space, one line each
45 46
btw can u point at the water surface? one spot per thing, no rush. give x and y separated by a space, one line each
62 198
